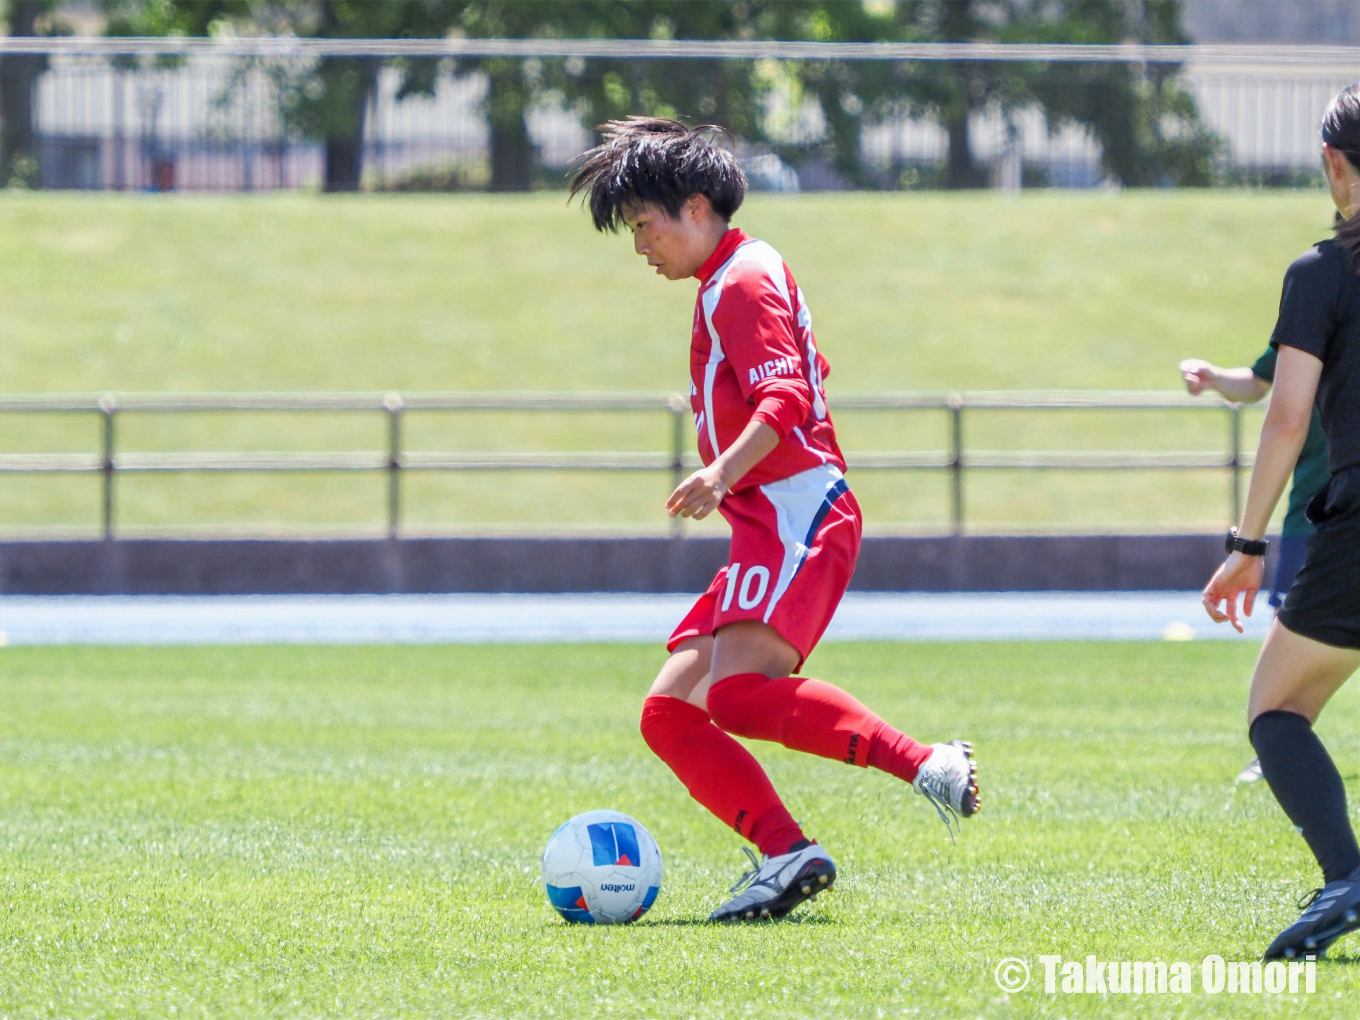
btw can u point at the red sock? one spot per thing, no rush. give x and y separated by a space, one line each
813 716
719 773
895 753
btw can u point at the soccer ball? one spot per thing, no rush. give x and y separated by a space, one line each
602 867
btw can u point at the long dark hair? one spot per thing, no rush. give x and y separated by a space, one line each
1341 130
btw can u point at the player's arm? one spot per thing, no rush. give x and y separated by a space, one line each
755 322
1240 385
1282 437
699 494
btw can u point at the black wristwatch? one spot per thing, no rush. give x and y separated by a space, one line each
1246 546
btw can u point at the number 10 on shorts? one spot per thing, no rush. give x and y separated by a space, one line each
749 590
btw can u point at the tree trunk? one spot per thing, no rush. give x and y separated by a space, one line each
344 163
512 151
18 73
961 172
351 81
958 25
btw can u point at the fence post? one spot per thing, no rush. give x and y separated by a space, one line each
678 405
955 405
392 404
1235 445
108 407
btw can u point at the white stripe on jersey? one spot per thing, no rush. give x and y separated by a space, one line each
769 260
798 431
715 356
796 501
810 352
763 255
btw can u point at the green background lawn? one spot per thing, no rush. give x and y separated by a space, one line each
908 291
309 832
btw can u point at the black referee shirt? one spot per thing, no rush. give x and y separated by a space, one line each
1320 314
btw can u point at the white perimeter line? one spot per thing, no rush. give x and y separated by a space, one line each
467 619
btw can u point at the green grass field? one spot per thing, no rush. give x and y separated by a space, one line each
909 292
344 832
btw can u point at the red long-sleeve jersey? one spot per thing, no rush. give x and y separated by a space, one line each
753 355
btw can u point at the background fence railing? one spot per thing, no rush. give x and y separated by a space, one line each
955 457
230 114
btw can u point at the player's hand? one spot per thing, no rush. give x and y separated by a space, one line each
1198 375
699 494
1239 574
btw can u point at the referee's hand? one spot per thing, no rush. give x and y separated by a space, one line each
1198 375
1240 574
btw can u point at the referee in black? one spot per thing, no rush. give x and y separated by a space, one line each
1314 645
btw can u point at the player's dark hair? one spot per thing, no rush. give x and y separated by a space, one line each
1341 130
654 161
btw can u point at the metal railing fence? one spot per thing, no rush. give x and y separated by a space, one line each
955 458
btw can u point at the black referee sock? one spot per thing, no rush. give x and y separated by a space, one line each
1305 781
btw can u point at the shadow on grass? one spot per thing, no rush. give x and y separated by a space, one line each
683 922
1349 960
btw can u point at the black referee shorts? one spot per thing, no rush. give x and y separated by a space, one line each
1324 603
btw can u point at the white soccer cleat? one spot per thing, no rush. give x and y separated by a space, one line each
775 885
948 779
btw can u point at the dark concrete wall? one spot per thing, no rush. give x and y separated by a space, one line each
971 563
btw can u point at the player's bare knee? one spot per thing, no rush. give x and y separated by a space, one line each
749 646
687 666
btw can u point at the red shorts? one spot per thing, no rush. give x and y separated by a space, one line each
794 545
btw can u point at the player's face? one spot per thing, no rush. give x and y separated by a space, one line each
674 245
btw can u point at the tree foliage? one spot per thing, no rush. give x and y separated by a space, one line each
1145 123
327 101
19 156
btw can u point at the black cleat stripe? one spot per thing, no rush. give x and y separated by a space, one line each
810 875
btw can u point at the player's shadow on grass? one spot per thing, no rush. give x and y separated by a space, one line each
696 922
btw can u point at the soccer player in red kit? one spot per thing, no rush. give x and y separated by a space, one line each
773 469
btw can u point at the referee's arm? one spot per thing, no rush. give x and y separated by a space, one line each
1286 427
1282 437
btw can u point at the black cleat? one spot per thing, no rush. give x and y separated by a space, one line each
1331 912
775 885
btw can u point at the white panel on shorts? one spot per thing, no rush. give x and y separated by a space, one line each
796 501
